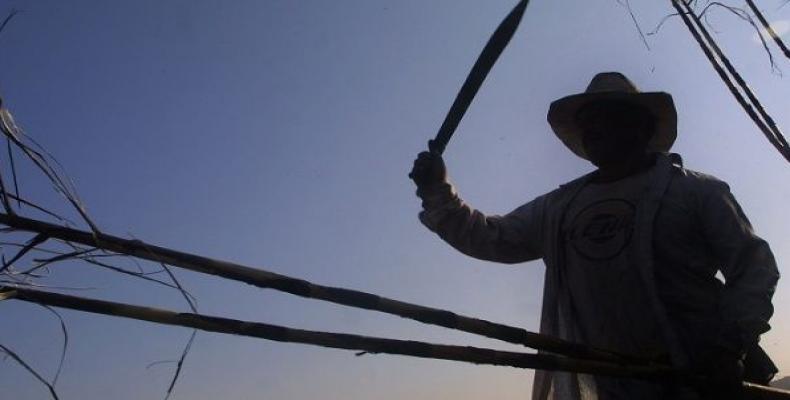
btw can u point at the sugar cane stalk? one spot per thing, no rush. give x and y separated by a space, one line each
769 29
368 344
755 110
299 287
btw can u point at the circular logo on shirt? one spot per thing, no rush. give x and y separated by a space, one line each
602 230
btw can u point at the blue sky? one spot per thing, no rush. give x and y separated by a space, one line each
279 134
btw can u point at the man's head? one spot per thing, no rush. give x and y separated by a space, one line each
614 131
613 118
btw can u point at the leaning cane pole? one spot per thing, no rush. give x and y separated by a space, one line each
371 345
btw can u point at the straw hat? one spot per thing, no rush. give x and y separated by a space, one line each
614 86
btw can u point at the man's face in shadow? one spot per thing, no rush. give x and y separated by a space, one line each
614 132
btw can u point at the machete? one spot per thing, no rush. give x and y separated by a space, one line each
496 44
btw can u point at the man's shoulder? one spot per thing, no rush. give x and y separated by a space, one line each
565 189
694 187
695 180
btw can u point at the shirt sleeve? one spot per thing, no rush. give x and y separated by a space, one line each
747 264
512 238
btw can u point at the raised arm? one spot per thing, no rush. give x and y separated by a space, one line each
512 238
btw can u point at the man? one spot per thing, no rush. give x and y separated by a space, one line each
632 250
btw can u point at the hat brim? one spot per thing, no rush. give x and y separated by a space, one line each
562 117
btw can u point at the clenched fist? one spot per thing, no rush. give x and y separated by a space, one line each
428 168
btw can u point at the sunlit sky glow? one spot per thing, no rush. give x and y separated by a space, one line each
279 134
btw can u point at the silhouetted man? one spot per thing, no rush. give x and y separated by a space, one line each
631 250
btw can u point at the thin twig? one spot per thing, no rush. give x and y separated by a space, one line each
35 241
627 5
29 369
43 263
4 193
13 171
65 346
120 270
42 209
180 363
8 19
193 306
744 15
62 184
